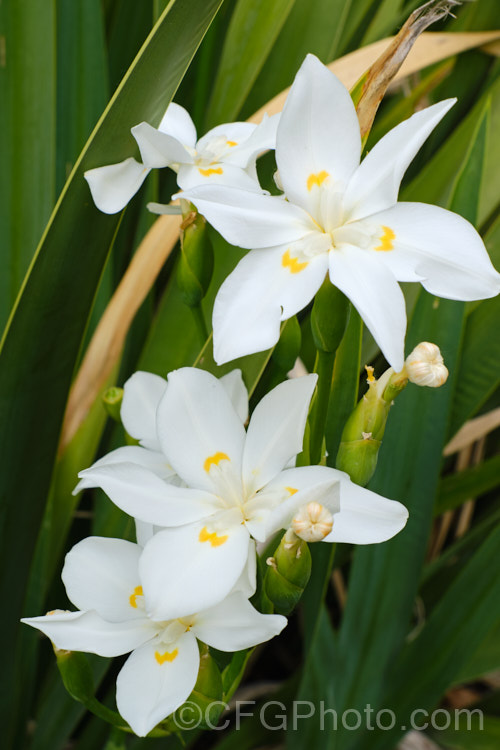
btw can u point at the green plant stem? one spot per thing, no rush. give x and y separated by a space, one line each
324 368
200 323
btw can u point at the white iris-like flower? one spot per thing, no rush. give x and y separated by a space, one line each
225 155
236 486
340 217
142 394
102 579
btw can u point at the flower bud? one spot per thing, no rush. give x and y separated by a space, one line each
425 366
363 432
206 695
287 573
312 522
76 674
329 317
112 399
194 271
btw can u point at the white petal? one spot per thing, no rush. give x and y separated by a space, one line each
365 517
102 574
141 395
248 219
143 532
234 624
376 295
442 247
236 132
318 135
257 296
262 138
159 149
113 186
177 122
148 459
147 691
190 176
300 486
86 631
145 496
198 427
188 569
374 186
247 582
237 392
276 431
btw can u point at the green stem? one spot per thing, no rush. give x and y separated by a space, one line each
324 368
200 323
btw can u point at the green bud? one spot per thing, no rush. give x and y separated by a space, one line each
112 399
363 432
206 697
358 458
194 271
76 674
329 317
287 349
288 573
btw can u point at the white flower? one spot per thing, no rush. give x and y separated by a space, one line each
340 217
225 155
142 393
237 487
102 579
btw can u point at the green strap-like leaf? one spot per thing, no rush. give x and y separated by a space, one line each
384 578
42 340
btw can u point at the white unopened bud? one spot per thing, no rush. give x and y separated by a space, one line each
277 180
425 366
313 522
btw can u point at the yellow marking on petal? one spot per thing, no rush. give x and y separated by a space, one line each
215 459
213 538
316 179
133 597
387 239
292 264
167 656
209 171
291 490
231 143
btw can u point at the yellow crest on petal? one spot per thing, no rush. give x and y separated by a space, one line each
387 240
293 265
133 597
215 460
210 170
166 656
214 539
317 179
